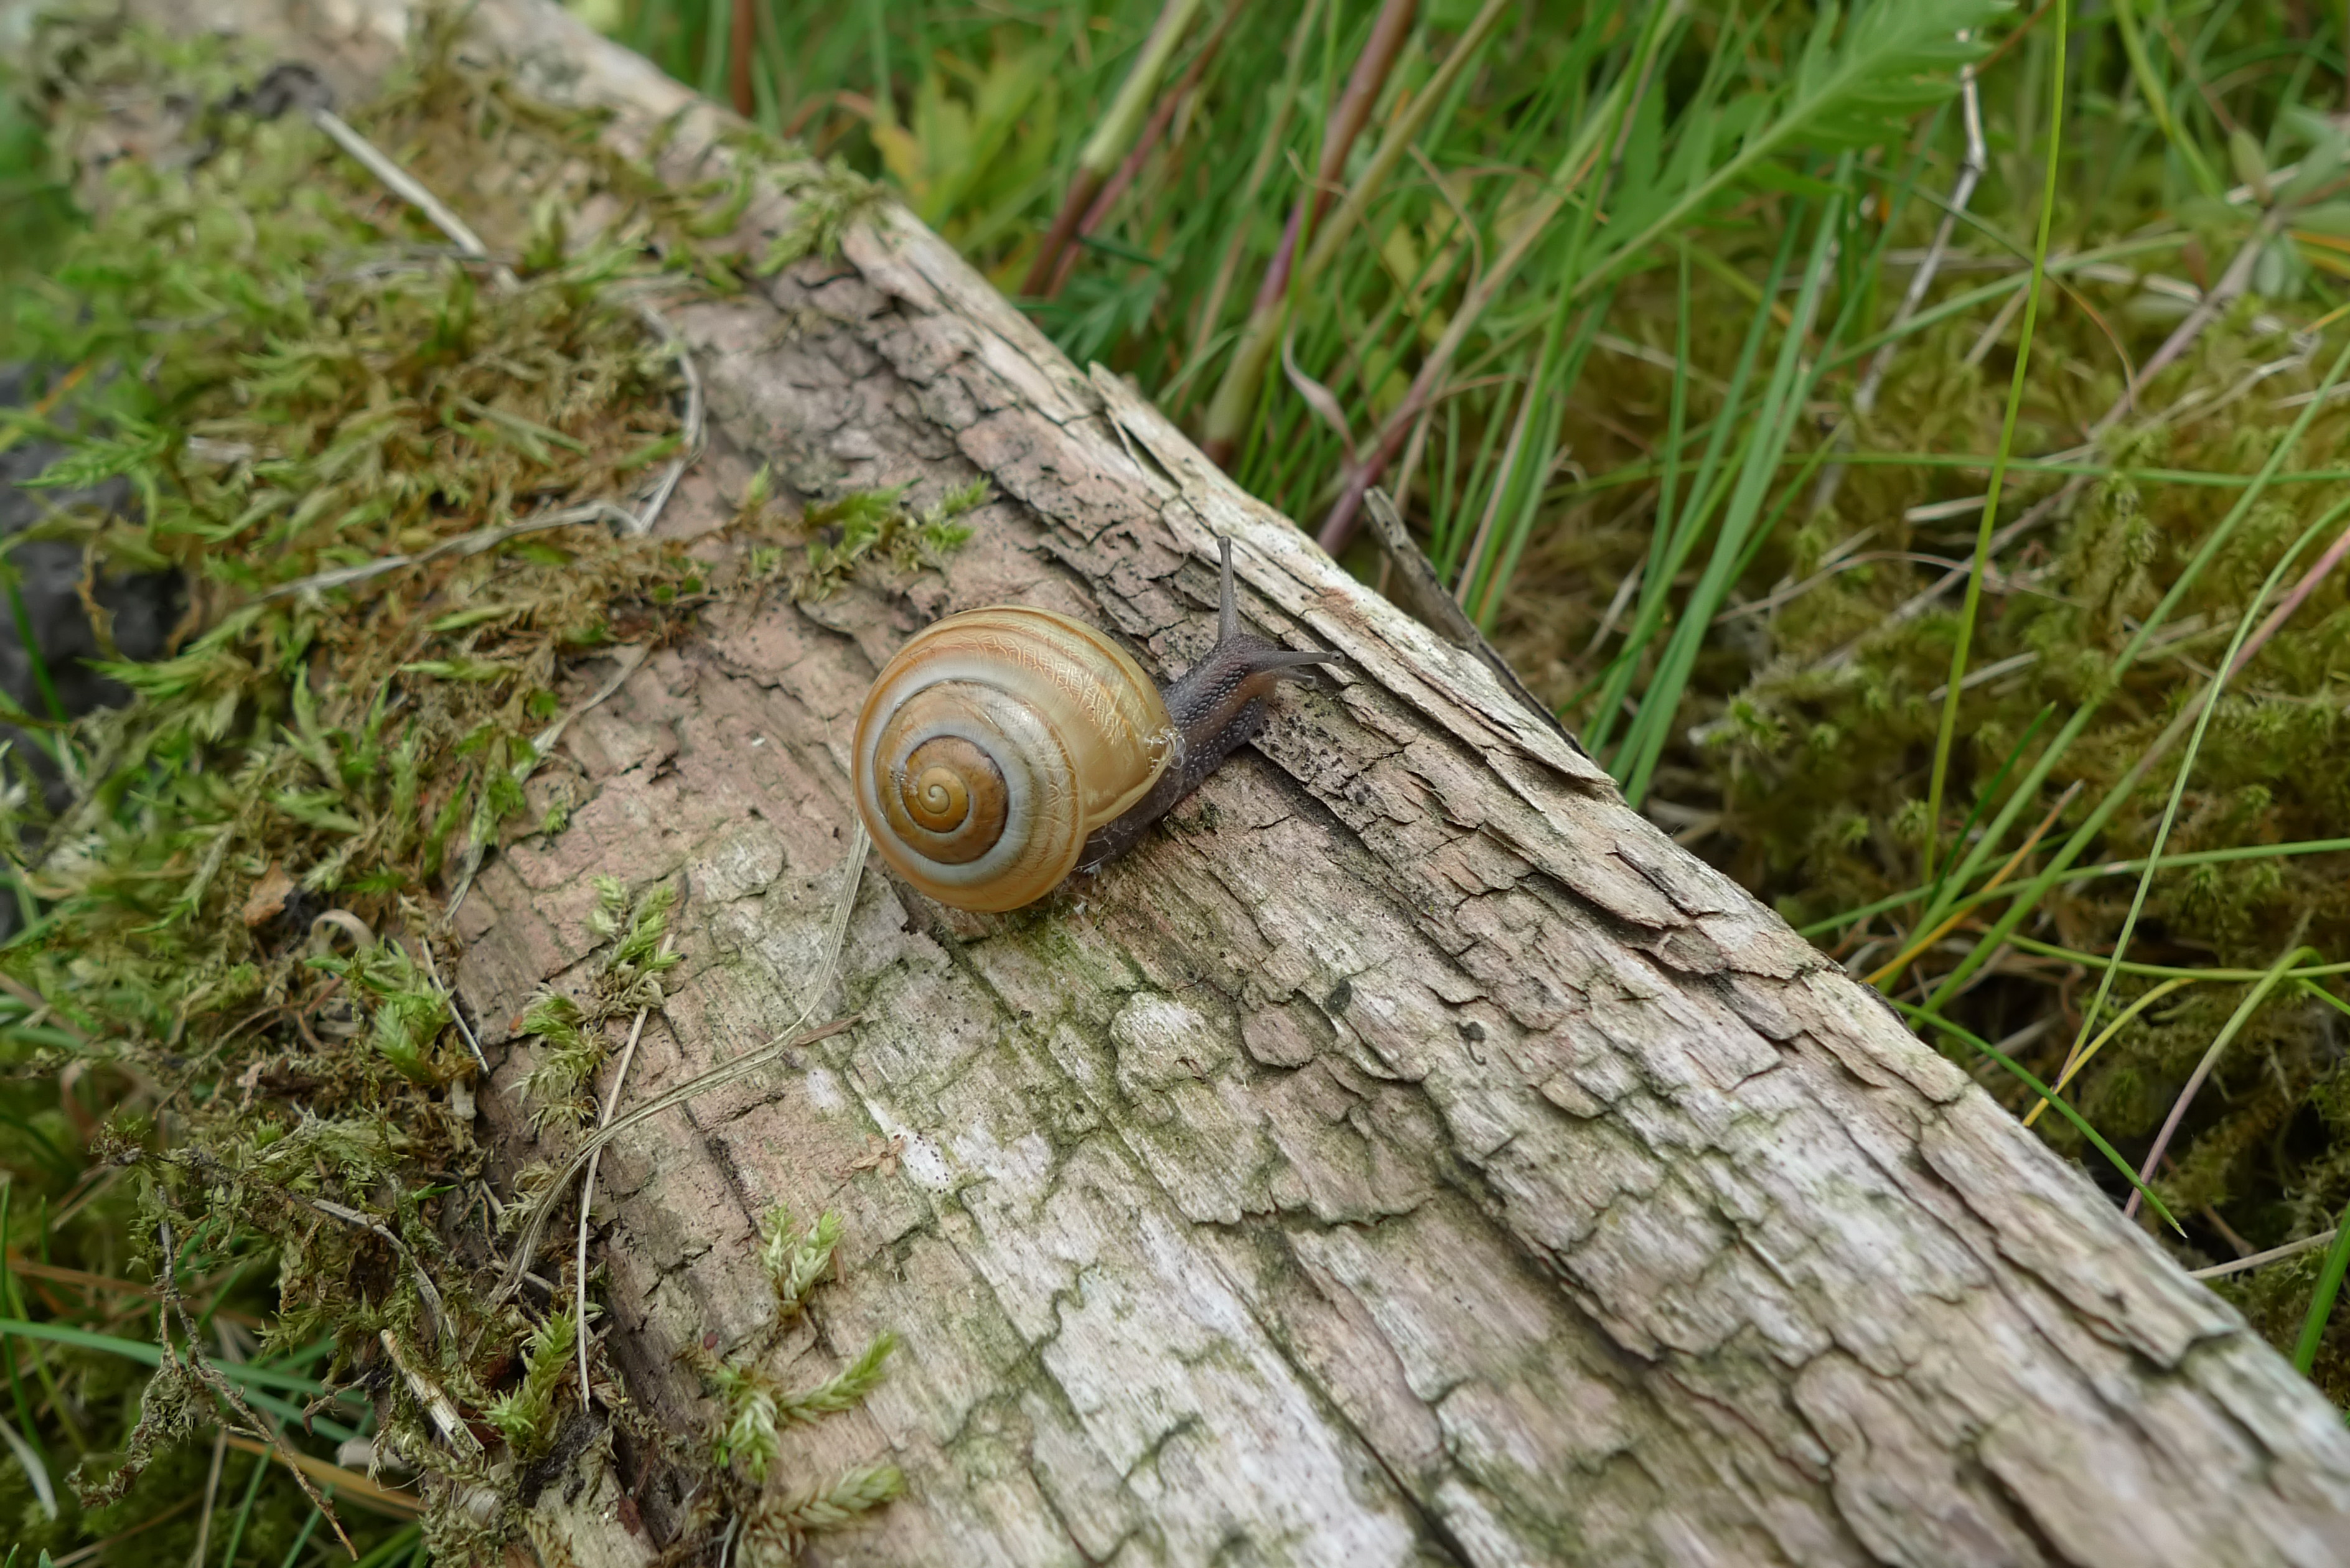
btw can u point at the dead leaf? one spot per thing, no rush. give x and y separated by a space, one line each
269 896
879 1155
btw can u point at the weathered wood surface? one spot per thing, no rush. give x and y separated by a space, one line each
1411 1155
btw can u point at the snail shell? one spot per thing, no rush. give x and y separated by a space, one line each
995 743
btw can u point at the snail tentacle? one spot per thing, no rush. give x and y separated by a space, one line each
1217 706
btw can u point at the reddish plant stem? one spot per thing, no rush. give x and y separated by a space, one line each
739 49
2291 602
1338 526
1074 207
1094 164
2195 1082
2267 630
1348 117
1098 210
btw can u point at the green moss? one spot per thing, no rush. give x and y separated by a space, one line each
872 525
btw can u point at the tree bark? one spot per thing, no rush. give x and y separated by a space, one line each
1409 1155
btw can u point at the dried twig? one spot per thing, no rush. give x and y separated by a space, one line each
410 190
541 746
2260 1260
587 1198
1421 591
434 1398
471 543
414 191
455 1015
689 438
2231 284
740 1067
208 1165
542 1209
425 1289
2021 583
353 1485
628 660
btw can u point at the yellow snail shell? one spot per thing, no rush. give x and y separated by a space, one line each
994 743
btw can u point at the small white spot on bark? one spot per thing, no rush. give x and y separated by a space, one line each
824 1090
925 1164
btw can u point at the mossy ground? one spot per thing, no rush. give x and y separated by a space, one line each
229 1045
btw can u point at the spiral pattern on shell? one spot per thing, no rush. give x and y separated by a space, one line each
994 743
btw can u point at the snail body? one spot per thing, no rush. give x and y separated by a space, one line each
1003 748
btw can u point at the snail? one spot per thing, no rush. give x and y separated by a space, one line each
1003 748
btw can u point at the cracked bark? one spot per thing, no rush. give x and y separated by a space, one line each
1407 1156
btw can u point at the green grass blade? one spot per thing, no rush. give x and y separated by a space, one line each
251 1374
2229 855
254 1378
1895 60
2320 1305
1954 690
2276 975
1989 793
32 1431
302 1538
1656 588
1773 426
406 1542
2158 102
245 1510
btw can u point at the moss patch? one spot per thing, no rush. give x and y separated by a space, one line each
404 487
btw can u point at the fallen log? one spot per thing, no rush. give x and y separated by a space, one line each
1407 1154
